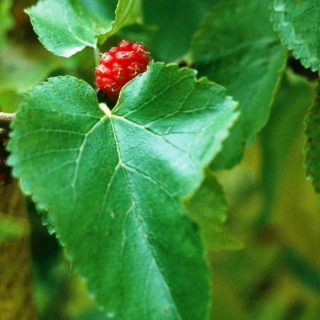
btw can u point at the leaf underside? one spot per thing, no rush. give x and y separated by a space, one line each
112 184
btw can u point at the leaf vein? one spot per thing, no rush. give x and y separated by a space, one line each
157 95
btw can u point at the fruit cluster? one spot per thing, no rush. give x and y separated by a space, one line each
120 65
5 171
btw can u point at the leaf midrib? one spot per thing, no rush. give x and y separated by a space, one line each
139 218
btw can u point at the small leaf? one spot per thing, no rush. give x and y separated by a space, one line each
236 47
208 208
298 24
128 12
66 26
113 184
312 147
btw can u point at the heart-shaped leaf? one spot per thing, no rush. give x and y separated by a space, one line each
113 183
298 25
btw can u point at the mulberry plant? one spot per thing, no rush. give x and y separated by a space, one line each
125 153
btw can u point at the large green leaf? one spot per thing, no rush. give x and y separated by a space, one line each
66 26
236 47
112 184
312 147
298 24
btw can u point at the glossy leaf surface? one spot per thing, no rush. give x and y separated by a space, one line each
112 184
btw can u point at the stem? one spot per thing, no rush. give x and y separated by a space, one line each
97 55
6 118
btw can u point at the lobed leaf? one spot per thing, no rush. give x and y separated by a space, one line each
112 183
312 146
298 25
236 47
66 26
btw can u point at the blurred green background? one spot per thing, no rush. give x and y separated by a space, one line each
273 209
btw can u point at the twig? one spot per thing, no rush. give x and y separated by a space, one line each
97 55
6 118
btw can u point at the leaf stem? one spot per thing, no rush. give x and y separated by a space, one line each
6 118
97 55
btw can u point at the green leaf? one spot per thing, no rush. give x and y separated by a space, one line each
66 26
128 12
105 9
312 147
6 20
298 25
291 103
113 184
208 208
175 23
238 49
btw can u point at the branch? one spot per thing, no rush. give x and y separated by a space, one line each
6 118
